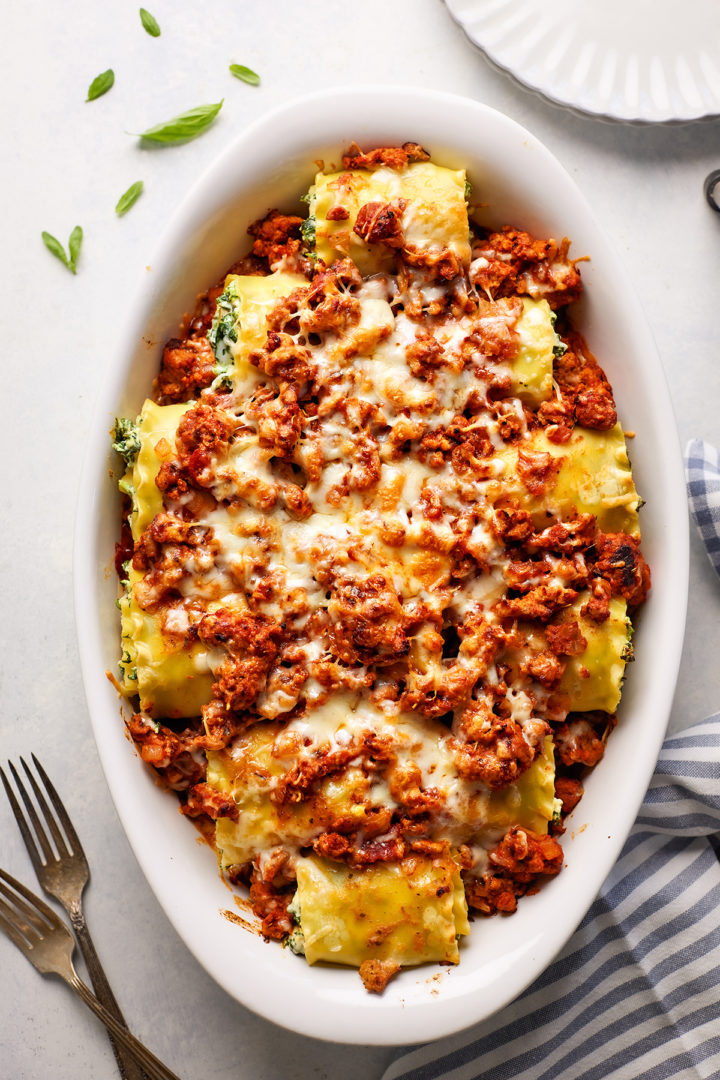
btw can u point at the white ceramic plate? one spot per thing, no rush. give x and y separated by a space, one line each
269 165
642 60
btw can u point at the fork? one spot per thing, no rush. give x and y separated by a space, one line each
64 876
48 944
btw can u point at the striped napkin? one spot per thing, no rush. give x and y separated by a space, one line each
702 464
636 991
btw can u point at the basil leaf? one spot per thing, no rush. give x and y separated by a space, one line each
245 73
186 126
101 84
129 198
74 245
53 245
149 22
56 248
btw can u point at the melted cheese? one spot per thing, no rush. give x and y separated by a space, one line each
594 477
172 678
435 215
359 518
240 324
260 760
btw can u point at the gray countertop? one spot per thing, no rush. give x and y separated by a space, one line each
66 163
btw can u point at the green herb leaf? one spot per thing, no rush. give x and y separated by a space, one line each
222 335
186 126
74 245
294 907
129 198
126 486
308 230
126 439
56 248
246 74
125 582
628 653
101 84
468 191
223 327
296 942
150 23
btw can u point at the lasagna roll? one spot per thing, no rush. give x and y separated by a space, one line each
171 677
156 427
593 660
529 802
589 474
420 208
405 913
532 366
240 322
593 678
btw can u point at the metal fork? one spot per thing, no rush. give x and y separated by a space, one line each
64 876
48 944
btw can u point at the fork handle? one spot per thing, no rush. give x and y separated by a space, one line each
127 1065
144 1057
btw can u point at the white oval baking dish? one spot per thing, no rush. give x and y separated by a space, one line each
268 165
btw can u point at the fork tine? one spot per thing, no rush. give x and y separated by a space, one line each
47 813
22 824
12 932
30 932
39 905
23 908
32 814
60 809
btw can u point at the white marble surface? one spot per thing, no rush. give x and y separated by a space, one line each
65 163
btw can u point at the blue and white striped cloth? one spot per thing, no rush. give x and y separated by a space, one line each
702 463
636 991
